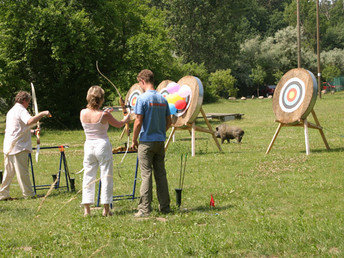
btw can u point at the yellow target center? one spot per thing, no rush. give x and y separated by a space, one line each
291 94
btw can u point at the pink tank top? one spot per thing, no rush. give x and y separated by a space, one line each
96 131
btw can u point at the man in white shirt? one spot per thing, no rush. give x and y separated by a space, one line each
17 145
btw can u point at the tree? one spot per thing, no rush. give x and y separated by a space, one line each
330 72
205 31
274 55
258 76
222 84
55 44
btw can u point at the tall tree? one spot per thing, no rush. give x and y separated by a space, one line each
55 44
205 31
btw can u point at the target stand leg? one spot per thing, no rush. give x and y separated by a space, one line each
305 126
193 139
170 137
320 130
211 129
274 138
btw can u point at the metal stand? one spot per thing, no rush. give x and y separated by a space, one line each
63 161
126 196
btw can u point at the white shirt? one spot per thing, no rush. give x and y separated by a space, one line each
17 133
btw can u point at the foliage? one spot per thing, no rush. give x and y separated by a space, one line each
205 31
222 83
284 204
274 55
55 45
333 57
330 72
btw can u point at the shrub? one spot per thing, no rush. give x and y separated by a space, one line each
221 84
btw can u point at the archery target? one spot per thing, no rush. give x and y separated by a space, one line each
133 98
130 99
295 96
184 97
292 95
179 99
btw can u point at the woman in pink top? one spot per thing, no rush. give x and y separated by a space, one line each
98 150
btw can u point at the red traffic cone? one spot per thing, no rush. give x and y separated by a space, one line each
212 202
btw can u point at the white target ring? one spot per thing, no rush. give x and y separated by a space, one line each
133 98
292 95
186 100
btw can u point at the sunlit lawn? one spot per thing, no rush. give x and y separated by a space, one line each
281 204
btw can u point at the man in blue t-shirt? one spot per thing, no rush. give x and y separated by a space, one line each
152 121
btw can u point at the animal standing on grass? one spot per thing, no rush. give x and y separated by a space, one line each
227 132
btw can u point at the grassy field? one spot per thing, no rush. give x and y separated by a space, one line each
281 204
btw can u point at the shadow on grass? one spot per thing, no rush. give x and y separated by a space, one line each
324 150
189 139
176 211
206 209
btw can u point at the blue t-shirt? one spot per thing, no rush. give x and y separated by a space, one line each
154 108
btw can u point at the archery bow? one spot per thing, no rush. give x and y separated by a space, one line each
124 110
121 101
34 100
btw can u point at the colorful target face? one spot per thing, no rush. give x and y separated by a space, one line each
292 95
133 98
178 98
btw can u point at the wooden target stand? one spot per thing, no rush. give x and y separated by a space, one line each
185 119
294 99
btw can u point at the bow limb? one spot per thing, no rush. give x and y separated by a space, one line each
121 101
34 100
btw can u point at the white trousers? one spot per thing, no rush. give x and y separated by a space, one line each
16 164
97 153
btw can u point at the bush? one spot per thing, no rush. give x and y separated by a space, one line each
330 72
221 84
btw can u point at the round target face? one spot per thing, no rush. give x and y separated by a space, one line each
179 101
133 98
292 95
184 99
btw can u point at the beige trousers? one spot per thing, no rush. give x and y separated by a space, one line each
151 160
16 164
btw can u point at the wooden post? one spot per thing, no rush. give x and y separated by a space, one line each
169 137
274 138
193 139
320 130
211 129
298 33
305 125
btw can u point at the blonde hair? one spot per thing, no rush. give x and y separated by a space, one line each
95 97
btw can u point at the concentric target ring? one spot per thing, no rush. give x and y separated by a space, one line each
292 95
295 96
131 97
193 101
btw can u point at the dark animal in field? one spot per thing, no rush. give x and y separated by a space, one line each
227 132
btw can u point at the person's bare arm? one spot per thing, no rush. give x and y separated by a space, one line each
136 131
37 117
113 121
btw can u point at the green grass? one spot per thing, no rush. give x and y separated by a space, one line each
281 204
